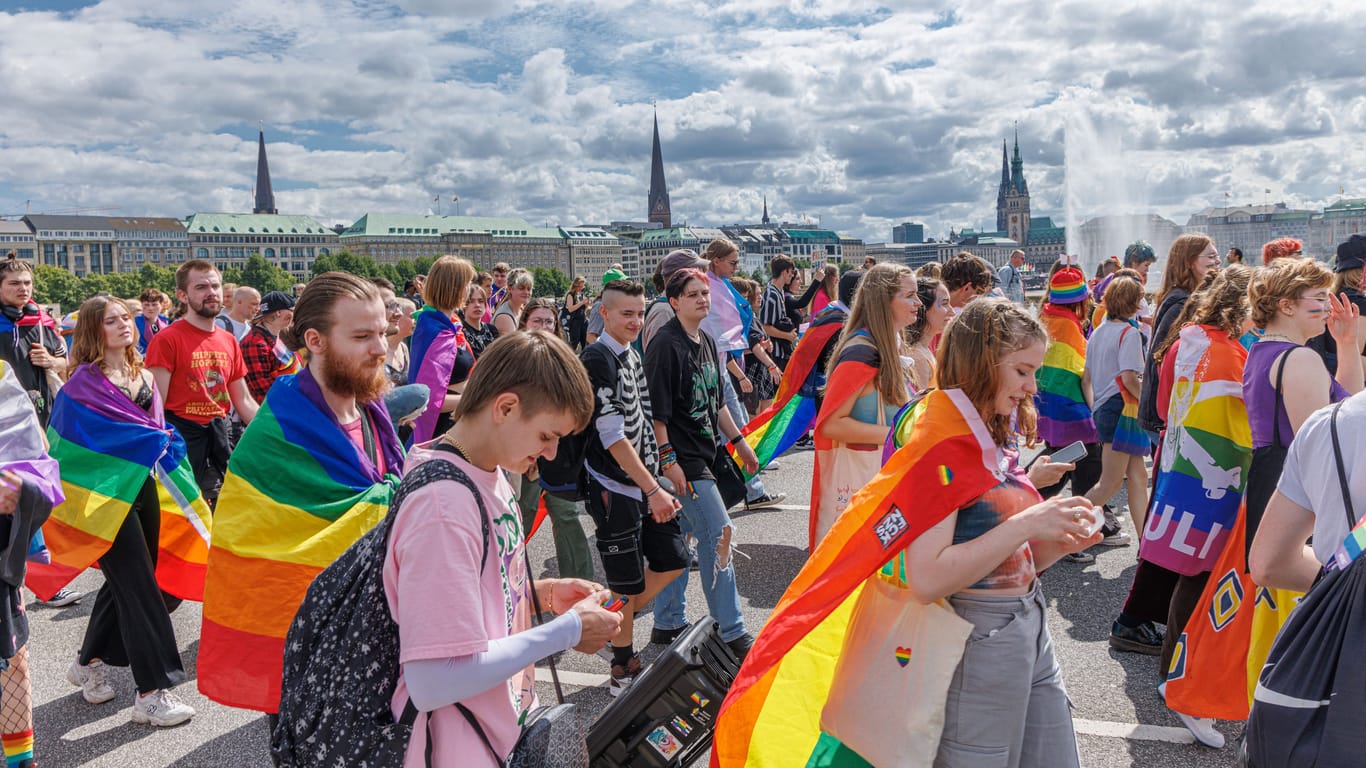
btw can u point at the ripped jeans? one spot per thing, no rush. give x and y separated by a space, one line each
706 519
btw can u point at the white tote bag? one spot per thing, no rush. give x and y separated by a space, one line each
892 679
845 469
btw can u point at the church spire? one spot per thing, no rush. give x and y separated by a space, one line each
658 202
1017 179
1003 190
765 219
265 197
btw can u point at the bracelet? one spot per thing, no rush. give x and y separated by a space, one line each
774 368
657 489
740 438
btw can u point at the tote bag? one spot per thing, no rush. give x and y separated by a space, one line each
892 679
845 469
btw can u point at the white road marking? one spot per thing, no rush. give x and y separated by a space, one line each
1132 731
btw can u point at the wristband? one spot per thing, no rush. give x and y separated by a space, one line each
657 489
774 368
740 438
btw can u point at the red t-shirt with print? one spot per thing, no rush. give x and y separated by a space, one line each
202 365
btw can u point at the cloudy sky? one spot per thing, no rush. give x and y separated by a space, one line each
858 113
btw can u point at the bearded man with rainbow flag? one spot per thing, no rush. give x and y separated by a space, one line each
314 471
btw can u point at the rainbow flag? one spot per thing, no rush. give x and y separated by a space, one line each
436 340
793 411
297 494
21 439
771 716
1129 436
1218 659
1351 548
107 448
1206 452
856 367
1063 414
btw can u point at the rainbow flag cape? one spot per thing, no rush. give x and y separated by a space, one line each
793 411
297 494
21 439
771 716
857 365
730 316
1218 658
107 447
1206 452
1063 415
436 339
1129 436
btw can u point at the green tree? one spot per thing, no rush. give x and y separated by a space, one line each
549 282
264 276
324 264
160 278
845 266
54 285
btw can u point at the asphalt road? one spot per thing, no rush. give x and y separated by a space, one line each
1120 719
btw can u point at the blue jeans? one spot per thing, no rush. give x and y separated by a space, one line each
706 519
754 489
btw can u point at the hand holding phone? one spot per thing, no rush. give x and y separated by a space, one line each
1072 453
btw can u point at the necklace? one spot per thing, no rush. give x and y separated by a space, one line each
1275 336
460 449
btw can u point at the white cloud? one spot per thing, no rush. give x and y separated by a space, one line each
860 113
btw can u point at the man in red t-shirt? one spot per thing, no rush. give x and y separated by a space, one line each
199 372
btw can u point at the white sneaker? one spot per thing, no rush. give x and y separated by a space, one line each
1162 690
1202 728
161 708
63 598
91 680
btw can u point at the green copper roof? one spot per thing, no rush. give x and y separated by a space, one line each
797 235
253 224
414 225
665 235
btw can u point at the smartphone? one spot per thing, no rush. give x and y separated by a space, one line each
616 602
1071 453
1099 521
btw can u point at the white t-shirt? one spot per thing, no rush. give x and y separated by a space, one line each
1310 475
1107 356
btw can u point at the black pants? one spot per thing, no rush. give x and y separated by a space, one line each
207 446
1150 596
130 625
1185 599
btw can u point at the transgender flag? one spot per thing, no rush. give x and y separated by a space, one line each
730 317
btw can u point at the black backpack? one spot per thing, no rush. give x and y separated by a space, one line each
341 654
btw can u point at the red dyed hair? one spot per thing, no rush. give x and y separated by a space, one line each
1281 248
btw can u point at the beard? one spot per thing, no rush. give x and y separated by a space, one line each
363 380
202 309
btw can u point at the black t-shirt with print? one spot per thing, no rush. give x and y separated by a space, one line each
685 394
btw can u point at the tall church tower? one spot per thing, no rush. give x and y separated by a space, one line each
659 190
1003 190
265 196
1017 199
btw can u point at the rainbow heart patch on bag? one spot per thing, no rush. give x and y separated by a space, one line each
903 655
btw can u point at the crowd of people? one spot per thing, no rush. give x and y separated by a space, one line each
271 432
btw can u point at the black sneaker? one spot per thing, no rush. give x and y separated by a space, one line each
805 443
1144 638
767 500
665 636
740 646
622 677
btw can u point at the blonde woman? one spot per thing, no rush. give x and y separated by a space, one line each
516 296
867 385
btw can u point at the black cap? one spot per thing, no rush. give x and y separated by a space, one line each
274 302
1351 254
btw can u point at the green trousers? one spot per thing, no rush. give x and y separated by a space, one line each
571 543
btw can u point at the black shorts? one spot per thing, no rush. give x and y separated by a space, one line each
629 538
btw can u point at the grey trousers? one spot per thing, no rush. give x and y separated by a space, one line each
1006 706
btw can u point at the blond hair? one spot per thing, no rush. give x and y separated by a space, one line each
448 283
872 313
87 341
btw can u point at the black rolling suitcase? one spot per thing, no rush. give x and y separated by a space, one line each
665 719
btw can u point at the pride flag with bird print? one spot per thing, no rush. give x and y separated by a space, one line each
1206 452
107 448
771 716
298 493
